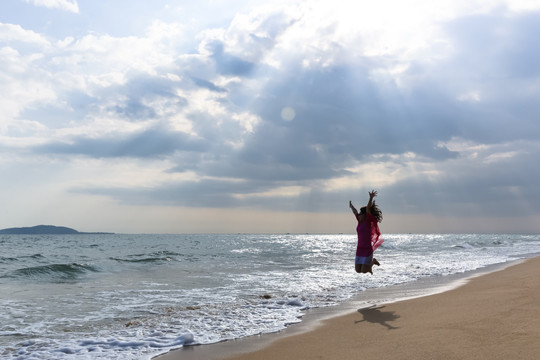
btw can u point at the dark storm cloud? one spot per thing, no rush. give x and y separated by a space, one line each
494 190
340 116
151 143
221 193
200 193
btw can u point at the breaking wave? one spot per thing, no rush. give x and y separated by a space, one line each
54 272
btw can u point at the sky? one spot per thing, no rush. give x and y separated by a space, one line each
244 116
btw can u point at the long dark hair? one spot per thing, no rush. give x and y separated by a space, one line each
375 211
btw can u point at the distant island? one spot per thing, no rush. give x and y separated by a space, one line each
45 230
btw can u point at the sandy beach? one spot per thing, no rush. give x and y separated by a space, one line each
493 316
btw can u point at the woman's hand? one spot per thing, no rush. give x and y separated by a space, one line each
372 194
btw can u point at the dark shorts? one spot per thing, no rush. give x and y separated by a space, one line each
363 260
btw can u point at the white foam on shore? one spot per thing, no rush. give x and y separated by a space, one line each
314 317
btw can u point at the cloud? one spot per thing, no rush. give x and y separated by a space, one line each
229 64
16 33
495 59
144 97
484 185
207 84
438 113
344 115
150 143
498 43
66 5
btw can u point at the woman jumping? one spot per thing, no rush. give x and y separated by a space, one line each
368 235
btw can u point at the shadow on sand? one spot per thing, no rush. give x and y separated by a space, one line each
375 315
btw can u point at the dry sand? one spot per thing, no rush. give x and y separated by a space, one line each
493 316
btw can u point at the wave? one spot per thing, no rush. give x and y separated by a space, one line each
166 253
156 257
33 257
144 260
54 272
5 260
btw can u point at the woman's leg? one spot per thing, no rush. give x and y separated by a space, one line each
366 269
363 268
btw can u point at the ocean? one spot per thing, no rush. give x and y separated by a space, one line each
118 296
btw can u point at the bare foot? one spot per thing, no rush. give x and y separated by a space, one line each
375 262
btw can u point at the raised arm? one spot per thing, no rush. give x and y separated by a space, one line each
355 212
372 194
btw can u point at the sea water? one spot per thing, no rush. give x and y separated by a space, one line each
110 296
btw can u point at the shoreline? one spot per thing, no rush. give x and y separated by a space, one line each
315 319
